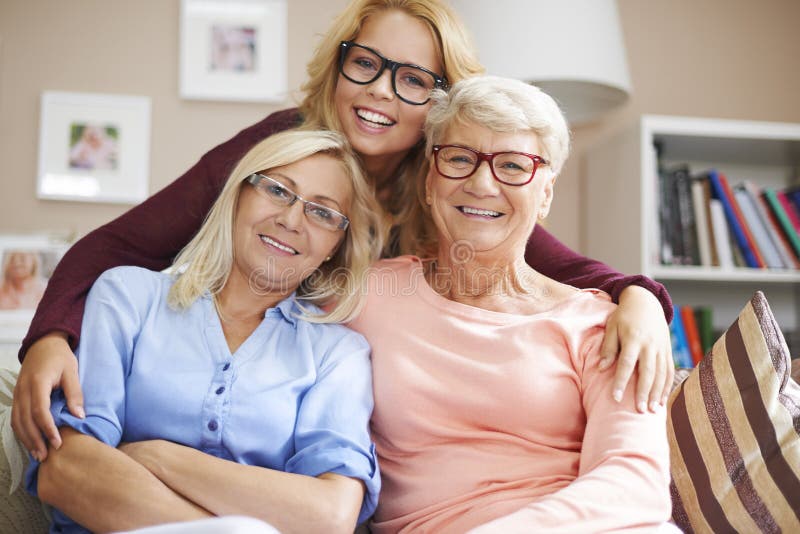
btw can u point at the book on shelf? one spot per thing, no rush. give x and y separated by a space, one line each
756 226
791 211
692 333
665 201
772 199
774 230
675 203
681 355
722 237
744 239
687 223
702 221
705 326
793 193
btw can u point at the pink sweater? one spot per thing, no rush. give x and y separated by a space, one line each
483 416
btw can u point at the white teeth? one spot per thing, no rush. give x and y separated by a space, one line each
476 211
373 117
275 244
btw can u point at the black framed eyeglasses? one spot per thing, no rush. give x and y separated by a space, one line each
511 168
280 195
411 83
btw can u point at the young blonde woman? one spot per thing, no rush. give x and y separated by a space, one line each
229 368
370 79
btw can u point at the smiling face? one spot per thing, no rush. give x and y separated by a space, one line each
495 219
381 127
276 247
20 265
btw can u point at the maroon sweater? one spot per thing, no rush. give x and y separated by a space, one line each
151 235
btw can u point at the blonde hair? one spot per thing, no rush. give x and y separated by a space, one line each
459 60
339 282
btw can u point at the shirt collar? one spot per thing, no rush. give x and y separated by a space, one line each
292 310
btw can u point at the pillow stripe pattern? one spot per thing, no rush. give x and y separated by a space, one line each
734 431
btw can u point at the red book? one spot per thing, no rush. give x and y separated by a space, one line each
692 333
777 231
745 229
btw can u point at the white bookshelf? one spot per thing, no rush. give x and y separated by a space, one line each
622 221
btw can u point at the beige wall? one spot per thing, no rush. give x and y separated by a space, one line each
710 58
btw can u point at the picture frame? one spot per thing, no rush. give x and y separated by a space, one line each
234 50
26 264
94 147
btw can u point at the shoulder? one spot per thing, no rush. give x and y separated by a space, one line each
131 283
584 312
276 122
393 270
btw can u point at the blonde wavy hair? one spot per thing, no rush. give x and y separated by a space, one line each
459 61
206 262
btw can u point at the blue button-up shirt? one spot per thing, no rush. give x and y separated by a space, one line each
295 396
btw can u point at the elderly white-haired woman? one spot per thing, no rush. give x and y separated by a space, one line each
234 397
490 410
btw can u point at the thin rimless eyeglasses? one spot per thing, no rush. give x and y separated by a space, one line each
318 214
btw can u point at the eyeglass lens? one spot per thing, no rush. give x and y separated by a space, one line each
362 65
509 167
283 196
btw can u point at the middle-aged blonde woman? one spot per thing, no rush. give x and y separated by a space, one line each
370 78
491 413
232 397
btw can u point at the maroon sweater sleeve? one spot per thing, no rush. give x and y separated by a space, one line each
550 257
149 235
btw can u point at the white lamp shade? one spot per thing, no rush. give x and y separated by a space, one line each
572 49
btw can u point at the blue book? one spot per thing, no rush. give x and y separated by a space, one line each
793 193
681 354
721 190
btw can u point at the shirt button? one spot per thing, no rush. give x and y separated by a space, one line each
212 425
226 366
220 390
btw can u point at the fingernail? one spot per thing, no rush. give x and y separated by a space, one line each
664 400
653 406
617 395
56 444
641 406
81 413
35 455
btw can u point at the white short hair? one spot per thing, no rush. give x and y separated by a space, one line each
502 105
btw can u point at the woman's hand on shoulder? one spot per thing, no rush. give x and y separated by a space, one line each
638 333
48 364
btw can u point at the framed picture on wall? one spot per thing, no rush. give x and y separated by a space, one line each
94 147
27 263
233 50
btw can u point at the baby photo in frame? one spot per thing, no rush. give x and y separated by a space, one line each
234 50
94 147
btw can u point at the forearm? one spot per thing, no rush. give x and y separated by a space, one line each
104 490
290 502
552 258
614 498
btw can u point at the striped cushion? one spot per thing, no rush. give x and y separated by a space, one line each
734 431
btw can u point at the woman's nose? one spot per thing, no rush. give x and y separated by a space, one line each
382 87
482 182
292 217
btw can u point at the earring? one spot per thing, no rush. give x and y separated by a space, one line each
428 200
328 258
